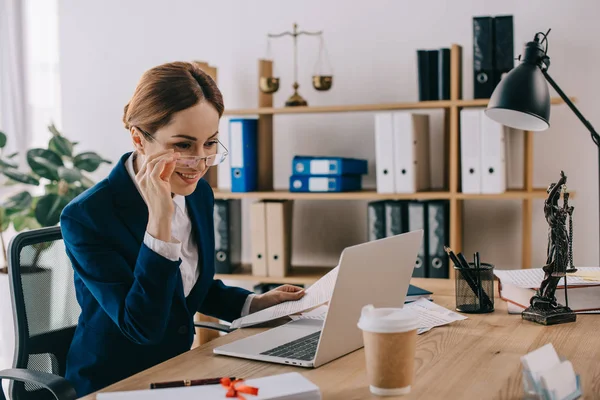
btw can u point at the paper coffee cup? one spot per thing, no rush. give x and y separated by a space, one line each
390 338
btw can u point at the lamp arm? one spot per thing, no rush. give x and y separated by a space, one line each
595 136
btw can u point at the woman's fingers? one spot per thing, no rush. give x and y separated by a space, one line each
290 296
151 160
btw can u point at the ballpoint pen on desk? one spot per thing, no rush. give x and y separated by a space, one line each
187 382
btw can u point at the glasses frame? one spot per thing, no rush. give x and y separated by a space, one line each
199 158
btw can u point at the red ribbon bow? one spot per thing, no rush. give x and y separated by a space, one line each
235 391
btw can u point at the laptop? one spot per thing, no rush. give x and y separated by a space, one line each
377 272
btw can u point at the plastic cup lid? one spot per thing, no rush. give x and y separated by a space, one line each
387 320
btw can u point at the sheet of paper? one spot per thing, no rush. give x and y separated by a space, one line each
540 359
432 315
593 275
318 293
316 313
531 278
560 380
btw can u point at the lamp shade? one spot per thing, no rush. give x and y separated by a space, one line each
521 99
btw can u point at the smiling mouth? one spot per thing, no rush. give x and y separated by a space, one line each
188 178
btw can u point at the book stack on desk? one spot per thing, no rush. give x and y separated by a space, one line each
327 174
516 287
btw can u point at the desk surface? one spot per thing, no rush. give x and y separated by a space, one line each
472 359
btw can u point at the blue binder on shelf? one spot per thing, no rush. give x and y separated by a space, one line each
243 150
305 183
308 165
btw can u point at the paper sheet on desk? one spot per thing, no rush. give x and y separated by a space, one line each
432 315
318 293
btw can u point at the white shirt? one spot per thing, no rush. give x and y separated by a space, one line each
183 244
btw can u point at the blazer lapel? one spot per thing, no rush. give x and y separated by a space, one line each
200 230
133 210
131 206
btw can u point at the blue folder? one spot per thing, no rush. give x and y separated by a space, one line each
306 183
307 165
243 150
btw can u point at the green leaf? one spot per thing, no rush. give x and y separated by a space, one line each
25 221
13 155
48 209
20 177
89 161
44 162
2 140
53 130
51 188
5 220
61 145
69 174
7 163
17 203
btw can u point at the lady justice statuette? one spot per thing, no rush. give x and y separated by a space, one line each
544 308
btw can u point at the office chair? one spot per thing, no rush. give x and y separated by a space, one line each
46 314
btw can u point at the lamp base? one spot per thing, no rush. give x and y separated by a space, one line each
549 315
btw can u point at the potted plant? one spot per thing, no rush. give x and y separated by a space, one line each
56 175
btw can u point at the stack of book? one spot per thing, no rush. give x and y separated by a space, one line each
327 174
516 287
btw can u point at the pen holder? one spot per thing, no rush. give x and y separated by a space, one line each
474 288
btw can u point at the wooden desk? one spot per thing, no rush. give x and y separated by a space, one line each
478 358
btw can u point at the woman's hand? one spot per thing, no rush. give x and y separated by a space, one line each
153 180
278 295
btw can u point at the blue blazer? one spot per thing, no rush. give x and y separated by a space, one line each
134 314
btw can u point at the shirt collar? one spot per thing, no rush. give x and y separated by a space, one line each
177 199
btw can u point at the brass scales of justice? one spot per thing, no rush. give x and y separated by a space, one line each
320 81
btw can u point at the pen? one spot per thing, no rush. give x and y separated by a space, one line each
452 256
463 260
187 382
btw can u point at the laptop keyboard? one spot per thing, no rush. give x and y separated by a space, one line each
303 349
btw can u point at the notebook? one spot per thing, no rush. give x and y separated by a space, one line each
288 386
415 293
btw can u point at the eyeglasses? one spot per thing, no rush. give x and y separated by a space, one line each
193 162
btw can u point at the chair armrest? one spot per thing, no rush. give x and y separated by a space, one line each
214 325
58 386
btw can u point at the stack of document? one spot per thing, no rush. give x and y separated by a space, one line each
518 286
289 386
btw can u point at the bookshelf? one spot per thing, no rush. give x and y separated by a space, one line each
451 192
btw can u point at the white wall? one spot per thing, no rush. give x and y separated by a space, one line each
105 47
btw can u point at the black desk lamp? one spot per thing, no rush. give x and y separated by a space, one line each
522 101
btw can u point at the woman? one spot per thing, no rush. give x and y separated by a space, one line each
142 242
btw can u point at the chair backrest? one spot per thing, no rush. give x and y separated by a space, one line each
44 305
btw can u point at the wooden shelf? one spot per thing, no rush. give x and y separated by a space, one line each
484 102
367 107
359 195
372 195
299 275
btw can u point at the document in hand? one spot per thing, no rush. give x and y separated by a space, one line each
289 386
318 293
